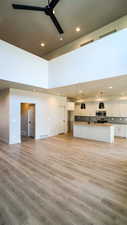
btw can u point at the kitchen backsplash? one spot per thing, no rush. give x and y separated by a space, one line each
117 120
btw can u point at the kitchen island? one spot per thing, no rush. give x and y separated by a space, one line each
94 131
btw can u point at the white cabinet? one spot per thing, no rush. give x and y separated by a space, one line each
93 131
120 130
77 131
70 106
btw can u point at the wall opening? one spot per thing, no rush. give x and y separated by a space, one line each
70 122
27 121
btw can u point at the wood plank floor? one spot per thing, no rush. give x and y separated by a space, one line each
63 181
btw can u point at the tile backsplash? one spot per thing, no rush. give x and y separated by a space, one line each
117 120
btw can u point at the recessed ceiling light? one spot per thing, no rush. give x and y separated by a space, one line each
110 87
78 29
53 11
80 91
42 44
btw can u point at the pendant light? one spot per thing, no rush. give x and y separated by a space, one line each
83 106
101 104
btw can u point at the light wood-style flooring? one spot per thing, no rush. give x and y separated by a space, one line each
63 181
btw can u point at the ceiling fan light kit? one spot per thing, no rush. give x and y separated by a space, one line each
48 10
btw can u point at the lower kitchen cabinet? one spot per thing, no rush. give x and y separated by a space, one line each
120 130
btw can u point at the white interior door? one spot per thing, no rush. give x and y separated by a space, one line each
61 125
31 122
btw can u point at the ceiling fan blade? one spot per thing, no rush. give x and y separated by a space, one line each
53 3
28 7
56 23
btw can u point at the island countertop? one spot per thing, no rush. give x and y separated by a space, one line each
94 131
93 124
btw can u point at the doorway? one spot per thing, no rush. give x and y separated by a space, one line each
27 121
70 122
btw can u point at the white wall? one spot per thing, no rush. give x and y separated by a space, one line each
47 113
116 25
115 108
103 58
4 116
20 66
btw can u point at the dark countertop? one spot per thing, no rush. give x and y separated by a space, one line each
93 124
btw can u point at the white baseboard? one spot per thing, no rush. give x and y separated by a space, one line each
4 140
41 137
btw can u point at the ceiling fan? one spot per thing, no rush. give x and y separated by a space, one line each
48 10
